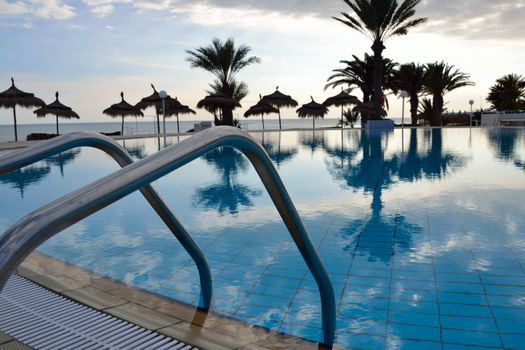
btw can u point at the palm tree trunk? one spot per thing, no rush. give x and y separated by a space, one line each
378 48
437 110
14 119
227 116
414 105
58 133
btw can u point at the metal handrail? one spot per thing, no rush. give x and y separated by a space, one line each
36 153
38 226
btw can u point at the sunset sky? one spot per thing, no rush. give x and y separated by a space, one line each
90 50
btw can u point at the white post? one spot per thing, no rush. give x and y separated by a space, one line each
471 102
403 95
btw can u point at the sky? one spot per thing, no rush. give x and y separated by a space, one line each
91 50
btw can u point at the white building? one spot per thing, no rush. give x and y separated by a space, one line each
506 118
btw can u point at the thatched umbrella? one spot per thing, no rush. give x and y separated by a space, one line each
152 100
58 110
13 97
261 108
174 107
123 109
279 100
341 100
217 101
313 110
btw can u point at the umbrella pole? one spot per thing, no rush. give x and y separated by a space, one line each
262 116
14 118
342 117
314 122
178 127
158 122
56 116
280 126
122 129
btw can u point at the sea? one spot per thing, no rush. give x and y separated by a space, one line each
136 127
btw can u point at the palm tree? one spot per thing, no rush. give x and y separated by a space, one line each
410 78
224 60
508 94
360 73
380 20
425 110
441 78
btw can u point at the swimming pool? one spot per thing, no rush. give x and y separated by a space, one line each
421 231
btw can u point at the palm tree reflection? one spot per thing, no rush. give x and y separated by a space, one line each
228 195
22 178
373 173
505 141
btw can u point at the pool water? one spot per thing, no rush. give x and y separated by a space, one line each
422 232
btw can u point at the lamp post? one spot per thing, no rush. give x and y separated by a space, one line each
163 95
471 103
403 94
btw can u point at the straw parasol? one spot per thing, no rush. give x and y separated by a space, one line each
279 100
58 110
13 97
313 110
174 107
261 108
341 100
123 109
152 100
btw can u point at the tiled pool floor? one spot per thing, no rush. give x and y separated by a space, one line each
421 232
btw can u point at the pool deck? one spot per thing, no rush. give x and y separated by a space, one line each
151 311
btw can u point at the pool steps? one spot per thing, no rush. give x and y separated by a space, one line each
34 229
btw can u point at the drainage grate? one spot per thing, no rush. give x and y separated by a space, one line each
45 320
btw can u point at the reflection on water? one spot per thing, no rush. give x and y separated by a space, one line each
22 178
63 159
34 174
412 222
508 145
227 195
272 143
374 174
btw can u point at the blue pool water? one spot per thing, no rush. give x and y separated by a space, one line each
422 232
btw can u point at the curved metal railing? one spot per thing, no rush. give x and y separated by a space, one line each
30 155
40 225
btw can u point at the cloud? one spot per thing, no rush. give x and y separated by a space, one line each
471 19
46 9
103 10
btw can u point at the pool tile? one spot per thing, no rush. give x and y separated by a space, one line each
471 338
361 341
469 323
512 341
405 331
413 318
394 343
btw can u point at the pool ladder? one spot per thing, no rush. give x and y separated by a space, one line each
35 228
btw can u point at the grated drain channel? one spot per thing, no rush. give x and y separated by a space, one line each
45 320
